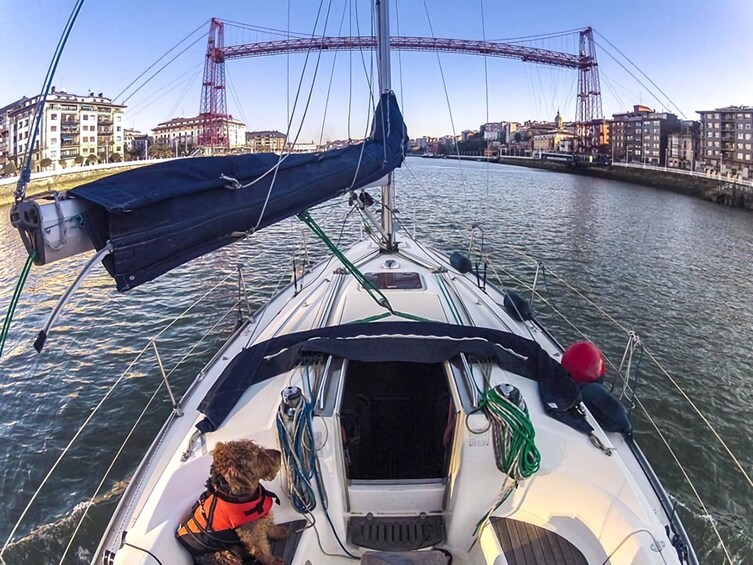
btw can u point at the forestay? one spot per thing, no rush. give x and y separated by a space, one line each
161 216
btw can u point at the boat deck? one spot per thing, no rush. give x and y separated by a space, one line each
285 549
526 544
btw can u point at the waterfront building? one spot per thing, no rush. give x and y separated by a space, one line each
267 141
185 132
726 145
498 133
683 146
136 144
73 128
641 136
5 112
560 140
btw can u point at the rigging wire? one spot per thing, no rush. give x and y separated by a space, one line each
150 67
449 106
158 71
270 30
152 98
331 76
672 380
236 99
628 71
96 409
180 98
637 400
528 38
486 91
25 174
642 73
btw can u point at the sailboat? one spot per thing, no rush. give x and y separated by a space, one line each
423 415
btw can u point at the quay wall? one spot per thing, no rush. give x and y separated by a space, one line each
65 179
720 191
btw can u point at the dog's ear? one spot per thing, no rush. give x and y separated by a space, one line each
268 463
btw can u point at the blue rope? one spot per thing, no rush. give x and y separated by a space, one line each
25 174
299 453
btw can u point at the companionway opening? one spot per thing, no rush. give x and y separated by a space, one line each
397 420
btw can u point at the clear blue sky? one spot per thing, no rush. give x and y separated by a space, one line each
700 52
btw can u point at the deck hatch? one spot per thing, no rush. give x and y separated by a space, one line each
396 281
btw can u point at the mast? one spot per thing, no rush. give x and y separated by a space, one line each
385 85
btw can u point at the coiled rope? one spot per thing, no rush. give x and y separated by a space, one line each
513 435
296 440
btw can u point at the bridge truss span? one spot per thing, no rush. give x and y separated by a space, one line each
590 127
400 43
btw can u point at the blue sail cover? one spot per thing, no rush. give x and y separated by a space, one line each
161 216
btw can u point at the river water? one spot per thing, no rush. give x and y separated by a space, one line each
673 269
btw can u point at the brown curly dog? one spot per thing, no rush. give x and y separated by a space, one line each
232 521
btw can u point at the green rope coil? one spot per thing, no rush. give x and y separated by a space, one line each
14 299
515 448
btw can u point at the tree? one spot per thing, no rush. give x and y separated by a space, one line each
115 158
78 159
63 163
45 163
92 159
10 168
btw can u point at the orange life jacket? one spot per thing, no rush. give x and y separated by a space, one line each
211 524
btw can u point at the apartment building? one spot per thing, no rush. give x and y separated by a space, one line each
186 131
5 122
684 146
641 136
268 141
726 145
72 128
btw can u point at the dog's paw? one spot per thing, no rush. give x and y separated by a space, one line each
277 532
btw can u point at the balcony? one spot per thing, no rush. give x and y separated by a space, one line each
104 131
69 128
104 121
69 143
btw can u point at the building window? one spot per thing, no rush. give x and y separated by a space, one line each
53 128
53 116
739 136
739 156
117 128
53 141
117 118
747 126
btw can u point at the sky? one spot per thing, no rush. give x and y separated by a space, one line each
698 52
